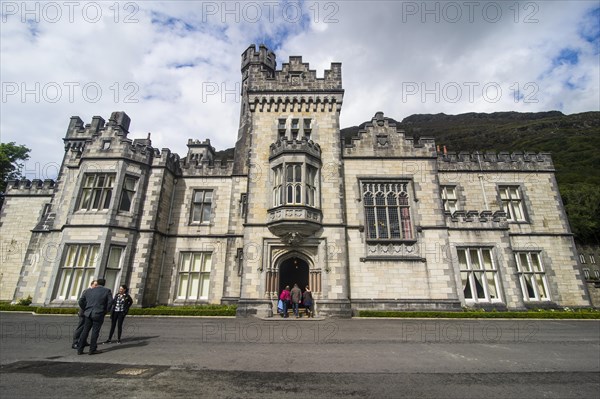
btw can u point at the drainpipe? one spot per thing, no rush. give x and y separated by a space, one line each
480 176
164 249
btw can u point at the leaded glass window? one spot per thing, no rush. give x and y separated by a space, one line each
387 211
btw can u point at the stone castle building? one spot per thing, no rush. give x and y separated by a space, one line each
385 221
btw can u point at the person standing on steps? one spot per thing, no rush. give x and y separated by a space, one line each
121 304
307 300
95 304
296 294
285 298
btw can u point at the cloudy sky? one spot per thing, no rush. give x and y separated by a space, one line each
173 67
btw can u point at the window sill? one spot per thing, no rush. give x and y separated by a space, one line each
393 258
392 242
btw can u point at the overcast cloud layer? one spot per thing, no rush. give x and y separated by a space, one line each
174 67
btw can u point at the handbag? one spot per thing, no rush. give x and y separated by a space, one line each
280 305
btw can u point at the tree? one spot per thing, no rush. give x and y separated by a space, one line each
582 203
11 162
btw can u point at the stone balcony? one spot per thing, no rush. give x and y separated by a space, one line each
294 220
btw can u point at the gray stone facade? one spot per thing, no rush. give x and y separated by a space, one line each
383 222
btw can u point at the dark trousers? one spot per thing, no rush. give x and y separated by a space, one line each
285 308
116 320
78 330
94 324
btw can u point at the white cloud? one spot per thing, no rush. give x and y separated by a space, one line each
163 66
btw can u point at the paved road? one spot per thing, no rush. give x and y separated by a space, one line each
231 358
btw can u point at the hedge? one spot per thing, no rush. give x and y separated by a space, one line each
230 310
535 314
202 310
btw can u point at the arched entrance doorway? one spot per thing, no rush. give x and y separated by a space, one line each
293 270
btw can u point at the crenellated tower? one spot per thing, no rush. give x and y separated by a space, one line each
289 147
255 65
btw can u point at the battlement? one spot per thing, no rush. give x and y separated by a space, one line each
27 187
477 161
206 168
265 102
294 75
262 58
200 150
477 219
167 159
118 122
382 138
283 146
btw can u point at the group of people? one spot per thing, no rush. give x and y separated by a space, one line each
294 297
95 302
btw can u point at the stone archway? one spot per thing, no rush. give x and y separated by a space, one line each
293 270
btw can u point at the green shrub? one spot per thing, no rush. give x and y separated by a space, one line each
24 301
7 307
42 310
478 314
200 310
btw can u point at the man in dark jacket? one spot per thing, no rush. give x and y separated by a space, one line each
95 303
296 294
81 323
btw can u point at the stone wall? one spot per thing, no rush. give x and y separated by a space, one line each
23 208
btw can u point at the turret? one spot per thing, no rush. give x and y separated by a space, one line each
263 60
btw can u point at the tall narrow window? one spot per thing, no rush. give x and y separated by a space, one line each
281 128
293 183
201 206
244 205
96 192
127 193
478 274
512 203
113 268
387 211
295 128
278 185
77 270
311 185
449 199
532 276
194 275
307 128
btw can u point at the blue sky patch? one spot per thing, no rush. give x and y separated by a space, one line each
589 29
566 56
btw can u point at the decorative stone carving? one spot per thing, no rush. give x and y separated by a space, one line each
286 220
293 238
